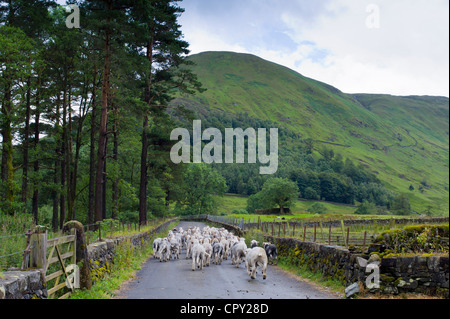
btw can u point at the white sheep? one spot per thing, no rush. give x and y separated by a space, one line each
256 257
218 251
175 249
156 244
238 252
164 251
209 251
190 245
199 255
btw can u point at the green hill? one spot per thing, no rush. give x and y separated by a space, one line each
402 140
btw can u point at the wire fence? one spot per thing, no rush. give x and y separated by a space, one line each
12 246
333 232
348 233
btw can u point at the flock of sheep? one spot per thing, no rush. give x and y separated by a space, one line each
214 245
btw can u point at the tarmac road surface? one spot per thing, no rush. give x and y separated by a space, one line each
176 280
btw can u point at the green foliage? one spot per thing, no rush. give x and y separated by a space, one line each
128 217
401 205
317 208
240 212
415 239
200 183
13 239
311 193
366 208
255 202
279 192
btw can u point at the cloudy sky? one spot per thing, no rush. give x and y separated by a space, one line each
399 47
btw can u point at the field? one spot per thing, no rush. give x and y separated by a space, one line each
231 203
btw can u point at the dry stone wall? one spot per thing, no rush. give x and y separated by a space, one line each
427 275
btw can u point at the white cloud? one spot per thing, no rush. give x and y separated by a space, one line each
330 41
408 54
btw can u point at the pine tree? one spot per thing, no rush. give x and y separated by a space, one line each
161 40
16 49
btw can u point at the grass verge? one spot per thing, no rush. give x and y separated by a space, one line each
315 278
128 260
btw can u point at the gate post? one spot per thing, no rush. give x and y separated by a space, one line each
81 252
38 248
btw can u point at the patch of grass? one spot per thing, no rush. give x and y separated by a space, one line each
308 275
128 260
229 202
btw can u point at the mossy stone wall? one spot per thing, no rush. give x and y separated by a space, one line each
427 275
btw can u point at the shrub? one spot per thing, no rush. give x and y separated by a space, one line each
129 217
418 238
366 208
311 193
240 212
317 208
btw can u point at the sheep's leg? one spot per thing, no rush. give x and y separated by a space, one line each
253 275
264 270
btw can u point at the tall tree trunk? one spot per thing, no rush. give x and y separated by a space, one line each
82 116
144 168
7 173
91 199
69 164
115 186
104 183
26 144
62 212
35 200
102 139
56 180
144 176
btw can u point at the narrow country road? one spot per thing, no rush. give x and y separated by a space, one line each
176 280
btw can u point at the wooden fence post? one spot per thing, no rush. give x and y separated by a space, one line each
315 226
364 242
329 236
304 233
321 231
293 231
73 232
38 244
343 229
348 235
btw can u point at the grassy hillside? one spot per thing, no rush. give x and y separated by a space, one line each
403 140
